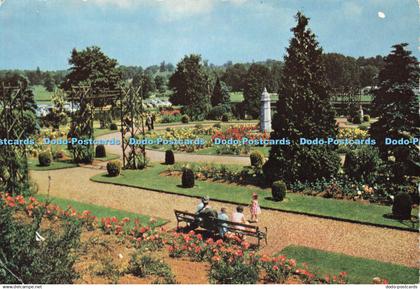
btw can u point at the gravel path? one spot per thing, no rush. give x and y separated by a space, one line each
159 156
284 229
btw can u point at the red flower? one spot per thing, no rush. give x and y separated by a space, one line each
275 268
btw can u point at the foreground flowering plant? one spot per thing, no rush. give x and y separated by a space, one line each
32 206
232 261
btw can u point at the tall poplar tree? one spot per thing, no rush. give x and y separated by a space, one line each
303 111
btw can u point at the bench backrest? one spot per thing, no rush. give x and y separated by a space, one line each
231 226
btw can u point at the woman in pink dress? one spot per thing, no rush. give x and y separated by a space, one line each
255 208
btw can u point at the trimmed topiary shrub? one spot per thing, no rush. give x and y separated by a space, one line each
185 119
363 164
217 112
169 157
366 117
357 119
401 209
188 178
113 168
45 159
100 151
278 190
58 155
113 126
364 127
257 159
225 117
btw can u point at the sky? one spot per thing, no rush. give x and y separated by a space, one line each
42 33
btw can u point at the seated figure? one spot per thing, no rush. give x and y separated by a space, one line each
223 227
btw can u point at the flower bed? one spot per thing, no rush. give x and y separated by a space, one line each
232 261
237 133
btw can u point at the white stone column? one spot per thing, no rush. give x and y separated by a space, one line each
265 112
361 112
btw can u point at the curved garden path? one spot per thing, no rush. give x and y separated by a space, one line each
159 156
284 229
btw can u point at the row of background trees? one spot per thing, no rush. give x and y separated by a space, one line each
306 80
343 73
203 88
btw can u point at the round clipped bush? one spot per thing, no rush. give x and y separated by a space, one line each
169 157
225 117
45 159
366 117
185 119
113 168
363 164
58 155
257 159
401 209
100 151
216 113
357 119
113 126
278 190
363 127
188 178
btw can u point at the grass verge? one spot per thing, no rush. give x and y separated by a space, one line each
33 164
360 270
336 209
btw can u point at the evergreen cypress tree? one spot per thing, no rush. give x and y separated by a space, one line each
303 111
257 78
396 105
220 94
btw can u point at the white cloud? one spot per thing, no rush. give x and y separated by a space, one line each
170 10
352 9
237 2
176 9
118 3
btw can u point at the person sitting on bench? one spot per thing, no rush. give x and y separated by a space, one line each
223 226
203 204
239 217
206 217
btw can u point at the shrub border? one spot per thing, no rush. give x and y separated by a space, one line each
266 208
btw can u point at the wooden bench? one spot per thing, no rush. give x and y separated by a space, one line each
213 225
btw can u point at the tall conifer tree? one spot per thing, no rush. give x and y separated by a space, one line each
303 111
396 105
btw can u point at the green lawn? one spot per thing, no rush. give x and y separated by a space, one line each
33 164
238 96
341 209
41 94
102 131
101 212
360 270
108 157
